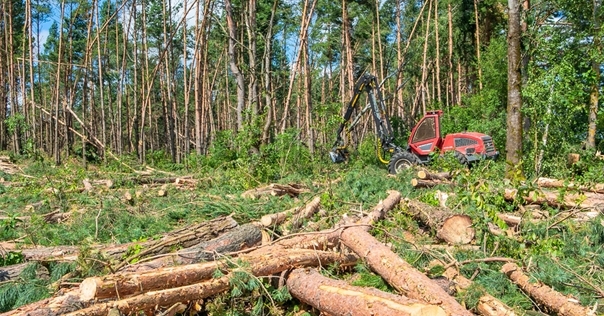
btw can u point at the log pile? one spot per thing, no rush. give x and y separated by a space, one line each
7 166
213 255
275 189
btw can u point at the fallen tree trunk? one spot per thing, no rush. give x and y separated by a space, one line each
450 227
587 200
279 218
306 213
12 272
557 184
130 284
419 183
487 304
543 294
427 175
398 273
241 237
336 297
275 189
182 237
328 239
268 265
53 217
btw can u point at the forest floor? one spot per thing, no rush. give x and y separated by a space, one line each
555 236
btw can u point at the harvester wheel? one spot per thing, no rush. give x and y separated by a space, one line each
402 161
461 158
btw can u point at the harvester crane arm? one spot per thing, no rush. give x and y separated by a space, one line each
366 84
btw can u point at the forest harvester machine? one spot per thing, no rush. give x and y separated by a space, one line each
425 137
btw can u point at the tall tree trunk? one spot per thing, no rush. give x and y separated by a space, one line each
268 93
253 74
101 79
595 87
3 71
478 45
232 33
514 115
57 97
437 48
307 12
424 85
450 42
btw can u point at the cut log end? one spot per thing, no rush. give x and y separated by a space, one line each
457 229
88 288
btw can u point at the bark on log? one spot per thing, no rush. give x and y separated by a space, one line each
12 272
53 217
336 297
427 175
181 237
487 304
543 294
557 184
270 264
306 213
587 200
150 180
129 284
328 239
450 227
398 273
419 183
279 218
275 189
241 237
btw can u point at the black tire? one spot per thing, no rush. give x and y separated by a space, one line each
463 160
402 161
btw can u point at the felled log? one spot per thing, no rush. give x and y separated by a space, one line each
544 295
268 265
398 273
7 166
330 238
419 183
53 217
427 175
556 184
280 217
487 304
182 237
129 284
275 189
151 180
586 200
241 237
306 213
12 272
451 227
336 297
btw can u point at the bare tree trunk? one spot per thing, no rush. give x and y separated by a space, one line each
268 93
232 33
450 42
478 45
437 48
424 88
307 12
514 115
56 151
595 87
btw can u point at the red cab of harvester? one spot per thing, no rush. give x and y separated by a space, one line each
470 146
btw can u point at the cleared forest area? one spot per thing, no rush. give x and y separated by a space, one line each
334 239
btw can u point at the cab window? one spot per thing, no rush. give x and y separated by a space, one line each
425 131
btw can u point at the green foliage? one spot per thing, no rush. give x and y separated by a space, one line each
10 257
365 278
